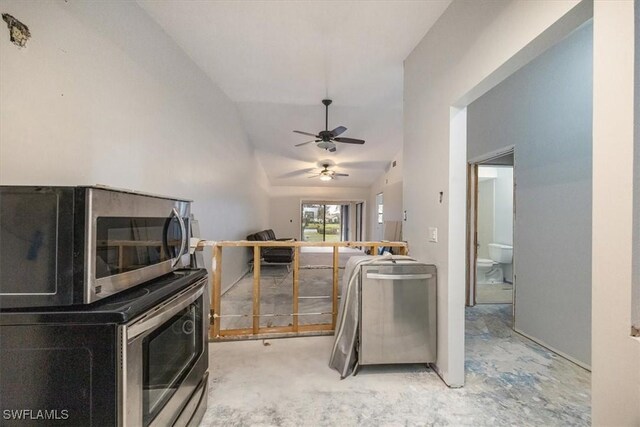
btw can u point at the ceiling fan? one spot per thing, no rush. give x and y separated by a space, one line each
327 138
327 175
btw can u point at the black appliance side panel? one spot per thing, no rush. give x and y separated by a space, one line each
58 375
79 228
36 246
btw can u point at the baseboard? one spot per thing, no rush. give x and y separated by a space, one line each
558 352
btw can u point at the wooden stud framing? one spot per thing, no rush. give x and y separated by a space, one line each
295 329
296 243
296 285
121 256
217 283
256 289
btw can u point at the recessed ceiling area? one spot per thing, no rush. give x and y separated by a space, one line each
277 60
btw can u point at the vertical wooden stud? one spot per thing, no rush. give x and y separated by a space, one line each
217 284
256 289
296 284
334 311
121 257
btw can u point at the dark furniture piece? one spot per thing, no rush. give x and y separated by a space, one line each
272 255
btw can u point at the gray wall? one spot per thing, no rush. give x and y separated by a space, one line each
545 110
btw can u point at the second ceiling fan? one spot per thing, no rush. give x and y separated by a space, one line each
327 138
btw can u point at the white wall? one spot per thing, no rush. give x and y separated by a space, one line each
503 219
472 47
101 94
390 184
545 111
615 380
486 217
284 205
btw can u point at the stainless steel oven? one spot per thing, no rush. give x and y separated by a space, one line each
164 359
138 358
76 245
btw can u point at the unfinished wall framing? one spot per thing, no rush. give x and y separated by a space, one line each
295 328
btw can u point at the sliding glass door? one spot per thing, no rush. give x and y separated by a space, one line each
324 222
359 209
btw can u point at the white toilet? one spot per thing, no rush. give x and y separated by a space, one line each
490 270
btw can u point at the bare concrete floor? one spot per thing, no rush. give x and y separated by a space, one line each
494 293
276 292
510 381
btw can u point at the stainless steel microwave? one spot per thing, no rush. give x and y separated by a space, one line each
76 245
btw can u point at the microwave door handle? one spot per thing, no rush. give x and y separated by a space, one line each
183 243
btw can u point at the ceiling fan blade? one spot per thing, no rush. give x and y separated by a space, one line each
314 176
340 174
349 140
308 142
296 173
306 133
337 131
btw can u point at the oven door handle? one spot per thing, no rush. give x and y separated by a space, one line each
165 311
183 243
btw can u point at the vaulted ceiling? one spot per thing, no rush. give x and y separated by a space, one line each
277 60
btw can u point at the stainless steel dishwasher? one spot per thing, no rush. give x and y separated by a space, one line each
397 313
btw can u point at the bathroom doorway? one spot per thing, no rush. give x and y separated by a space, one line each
490 279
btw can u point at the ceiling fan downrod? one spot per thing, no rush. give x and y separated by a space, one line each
326 103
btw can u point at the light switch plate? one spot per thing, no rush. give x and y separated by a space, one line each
433 234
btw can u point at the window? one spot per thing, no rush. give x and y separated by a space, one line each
380 204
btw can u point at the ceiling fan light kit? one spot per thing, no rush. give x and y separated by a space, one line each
326 174
326 138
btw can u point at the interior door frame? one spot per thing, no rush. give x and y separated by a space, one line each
472 222
472 233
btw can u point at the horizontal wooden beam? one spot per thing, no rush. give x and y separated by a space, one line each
319 327
232 332
270 336
289 244
315 327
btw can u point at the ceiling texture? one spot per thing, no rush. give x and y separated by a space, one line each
277 60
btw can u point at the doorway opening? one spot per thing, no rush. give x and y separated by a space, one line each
491 216
494 261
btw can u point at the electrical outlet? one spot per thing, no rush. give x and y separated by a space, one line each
433 234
